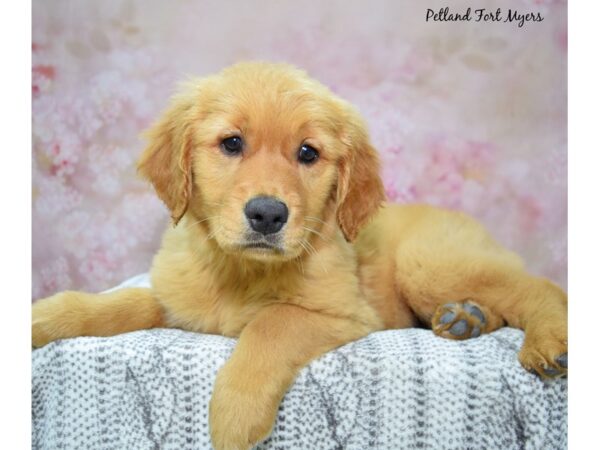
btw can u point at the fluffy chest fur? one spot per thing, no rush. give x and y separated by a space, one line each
202 289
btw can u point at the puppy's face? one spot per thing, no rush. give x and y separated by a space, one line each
260 155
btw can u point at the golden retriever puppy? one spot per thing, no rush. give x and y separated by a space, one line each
282 239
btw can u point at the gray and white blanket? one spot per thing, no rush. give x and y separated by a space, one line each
400 389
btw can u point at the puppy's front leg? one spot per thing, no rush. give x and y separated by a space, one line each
271 350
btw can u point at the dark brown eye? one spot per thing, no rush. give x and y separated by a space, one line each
232 145
307 154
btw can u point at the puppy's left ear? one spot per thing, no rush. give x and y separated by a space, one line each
166 161
360 191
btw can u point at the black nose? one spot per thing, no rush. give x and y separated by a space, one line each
266 214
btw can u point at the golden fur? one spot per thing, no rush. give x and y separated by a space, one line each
347 265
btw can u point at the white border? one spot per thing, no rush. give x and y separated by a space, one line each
584 224
15 244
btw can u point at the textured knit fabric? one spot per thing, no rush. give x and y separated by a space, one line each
398 389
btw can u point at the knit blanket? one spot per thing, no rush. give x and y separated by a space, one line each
397 389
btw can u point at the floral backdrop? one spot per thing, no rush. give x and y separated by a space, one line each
466 115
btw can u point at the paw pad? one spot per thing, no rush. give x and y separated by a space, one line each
461 320
545 371
544 366
551 371
459 328
562 360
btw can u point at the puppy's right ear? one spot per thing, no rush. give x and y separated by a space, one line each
167 160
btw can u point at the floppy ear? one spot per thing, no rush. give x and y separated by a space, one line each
166 161
360 191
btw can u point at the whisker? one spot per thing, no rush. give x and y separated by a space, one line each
198 249
303 245
312 251
213 233
213 203
326 239
299 260
316 219
200 221
311 247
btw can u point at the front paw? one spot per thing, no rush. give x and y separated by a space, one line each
241 414
55 318
545 351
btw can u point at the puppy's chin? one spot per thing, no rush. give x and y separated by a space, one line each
267 255
255 251
264 255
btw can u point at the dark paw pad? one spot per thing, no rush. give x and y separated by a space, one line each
551 371
447 317
459 320
562 360
459 328
474 311
543 361
546 372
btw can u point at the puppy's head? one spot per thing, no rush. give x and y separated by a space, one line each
259 155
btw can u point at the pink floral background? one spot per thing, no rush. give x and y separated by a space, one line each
466 115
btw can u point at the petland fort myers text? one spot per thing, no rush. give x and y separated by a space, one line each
483 15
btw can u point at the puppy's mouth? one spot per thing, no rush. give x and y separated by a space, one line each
261 246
